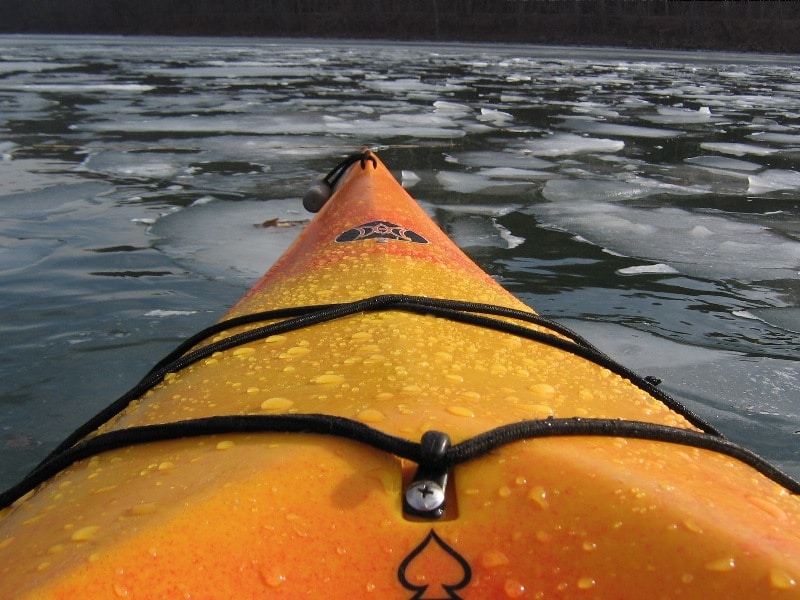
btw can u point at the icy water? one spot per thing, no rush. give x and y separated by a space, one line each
649 200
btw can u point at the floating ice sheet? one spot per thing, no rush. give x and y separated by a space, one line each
776 138
409 179
484 182
619 129
737 149
475 230
656 269
169 313
723 162
565 144
224 239
773 180
139 165
79 88
696 244
29 174
515 160
785 317
682 116
626 187
32 66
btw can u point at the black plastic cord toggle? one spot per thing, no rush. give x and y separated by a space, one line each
426 495
319 193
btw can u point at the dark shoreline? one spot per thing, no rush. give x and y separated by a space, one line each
659 25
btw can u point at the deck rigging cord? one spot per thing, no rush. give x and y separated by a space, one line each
77 446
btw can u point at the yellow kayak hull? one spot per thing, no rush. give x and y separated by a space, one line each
254 514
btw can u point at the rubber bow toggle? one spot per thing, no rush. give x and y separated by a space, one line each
319 193
426 495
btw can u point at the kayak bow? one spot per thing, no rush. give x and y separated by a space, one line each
378 417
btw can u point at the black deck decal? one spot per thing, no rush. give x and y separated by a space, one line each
441 584
382 230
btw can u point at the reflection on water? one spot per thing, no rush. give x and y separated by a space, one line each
650 200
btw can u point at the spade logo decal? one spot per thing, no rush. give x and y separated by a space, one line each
434 570
381 230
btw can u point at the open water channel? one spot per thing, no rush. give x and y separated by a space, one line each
649 200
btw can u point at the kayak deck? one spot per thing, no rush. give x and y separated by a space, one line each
229 512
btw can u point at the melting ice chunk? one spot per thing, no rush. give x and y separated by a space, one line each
409 179
773 180
563 144
680 116
656 269
723 162
495 117
604 128
221 238
737 149
627 188
696 244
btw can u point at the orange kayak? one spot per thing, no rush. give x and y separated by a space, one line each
379 418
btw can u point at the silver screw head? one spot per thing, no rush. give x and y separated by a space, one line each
425 496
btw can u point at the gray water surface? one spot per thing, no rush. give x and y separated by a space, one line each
649 200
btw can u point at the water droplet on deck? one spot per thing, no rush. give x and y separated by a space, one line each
84 534
120 591
273 576
166 466
244 351
692 526
145 508
543 536
296 351
460 411
540 411
539 496
769 507
371 415
276 403
225 445
781 580
720 565
585 583
513 588
328 378
493 558
542 390
504 492
32 520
